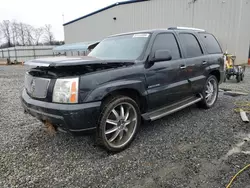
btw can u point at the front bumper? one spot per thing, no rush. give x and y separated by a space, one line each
69 117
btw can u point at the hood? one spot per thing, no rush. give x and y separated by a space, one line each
64 61
71 66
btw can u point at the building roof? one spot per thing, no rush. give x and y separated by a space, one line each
105 8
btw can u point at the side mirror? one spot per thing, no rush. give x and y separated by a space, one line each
161 55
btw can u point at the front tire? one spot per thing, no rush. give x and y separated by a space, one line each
209 93
118 123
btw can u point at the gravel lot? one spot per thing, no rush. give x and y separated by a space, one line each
190 148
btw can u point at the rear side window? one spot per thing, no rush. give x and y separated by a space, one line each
191 45
167 41
210 43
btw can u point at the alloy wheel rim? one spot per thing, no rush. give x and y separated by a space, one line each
120 125
211 92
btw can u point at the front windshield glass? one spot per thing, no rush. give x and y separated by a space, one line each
125 47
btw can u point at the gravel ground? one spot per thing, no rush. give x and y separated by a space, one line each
191 148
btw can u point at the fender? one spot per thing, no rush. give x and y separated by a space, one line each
214 67
219 72
211 68
99 93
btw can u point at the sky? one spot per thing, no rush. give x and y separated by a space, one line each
39 13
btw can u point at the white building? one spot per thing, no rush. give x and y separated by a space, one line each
228 20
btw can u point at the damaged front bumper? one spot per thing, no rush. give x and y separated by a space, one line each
69 117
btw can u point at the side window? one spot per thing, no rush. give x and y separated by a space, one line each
190 44
167 41
210 43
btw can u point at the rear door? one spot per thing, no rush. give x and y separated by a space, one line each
166 80
213 50
196 60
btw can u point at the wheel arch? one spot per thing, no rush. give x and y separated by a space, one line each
129 92
134 89
216 73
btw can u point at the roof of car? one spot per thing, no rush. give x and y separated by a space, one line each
186 29
141 31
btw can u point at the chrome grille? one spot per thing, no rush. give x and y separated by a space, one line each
36 87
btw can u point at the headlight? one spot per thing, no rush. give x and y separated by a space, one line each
66 90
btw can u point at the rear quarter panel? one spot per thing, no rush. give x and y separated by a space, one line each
216 62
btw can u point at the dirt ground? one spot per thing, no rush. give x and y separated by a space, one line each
191 148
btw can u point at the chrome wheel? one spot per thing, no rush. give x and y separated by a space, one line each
211 91
120 125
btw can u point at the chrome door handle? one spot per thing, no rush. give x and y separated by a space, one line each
204 63
183 66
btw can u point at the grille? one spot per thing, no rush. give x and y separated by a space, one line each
36 87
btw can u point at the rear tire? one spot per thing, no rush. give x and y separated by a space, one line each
119 122
209 93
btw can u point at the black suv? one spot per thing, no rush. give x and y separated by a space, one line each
125 79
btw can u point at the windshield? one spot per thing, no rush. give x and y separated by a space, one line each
125 47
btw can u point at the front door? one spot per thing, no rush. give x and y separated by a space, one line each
166 80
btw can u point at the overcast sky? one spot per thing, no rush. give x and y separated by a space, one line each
39 13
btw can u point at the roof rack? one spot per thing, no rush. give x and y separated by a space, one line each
186 28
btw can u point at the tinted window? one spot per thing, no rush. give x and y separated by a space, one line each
190 45
124 47
210 43
167 41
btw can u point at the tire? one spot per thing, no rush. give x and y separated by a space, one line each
114 133
238 78
205 103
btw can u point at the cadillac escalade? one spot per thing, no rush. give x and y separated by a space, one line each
126 79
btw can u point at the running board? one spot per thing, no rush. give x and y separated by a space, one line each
159 113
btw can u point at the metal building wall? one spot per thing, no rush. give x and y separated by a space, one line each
130 17
243 33
226 19
229 21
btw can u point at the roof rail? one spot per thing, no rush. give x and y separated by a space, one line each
186 28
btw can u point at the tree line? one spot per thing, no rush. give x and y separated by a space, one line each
13 33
